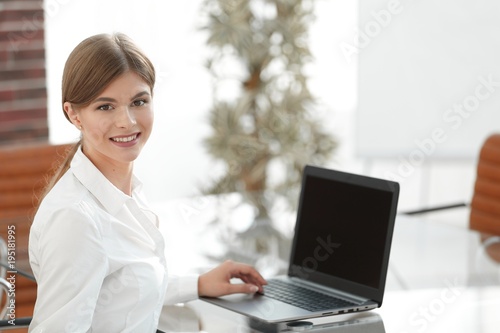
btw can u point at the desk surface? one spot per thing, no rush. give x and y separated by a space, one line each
439 278
458 310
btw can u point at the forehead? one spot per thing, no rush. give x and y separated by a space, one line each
125 86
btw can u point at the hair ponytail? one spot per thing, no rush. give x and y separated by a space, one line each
61 169
61 166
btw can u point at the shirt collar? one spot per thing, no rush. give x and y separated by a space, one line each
99 186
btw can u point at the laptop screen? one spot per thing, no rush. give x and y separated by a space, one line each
343 226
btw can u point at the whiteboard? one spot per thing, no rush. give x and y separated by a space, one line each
429 77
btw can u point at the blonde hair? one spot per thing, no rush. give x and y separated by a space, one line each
91 67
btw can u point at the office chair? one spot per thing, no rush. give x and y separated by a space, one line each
485 204
484 214
23 172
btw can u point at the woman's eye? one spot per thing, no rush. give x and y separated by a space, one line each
105 107
139 102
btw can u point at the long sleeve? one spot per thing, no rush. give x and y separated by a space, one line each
70 264
181 289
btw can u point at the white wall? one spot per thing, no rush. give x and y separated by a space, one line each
429 76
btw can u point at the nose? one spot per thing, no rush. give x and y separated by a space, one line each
125 118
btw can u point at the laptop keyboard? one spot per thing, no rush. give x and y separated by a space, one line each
302 297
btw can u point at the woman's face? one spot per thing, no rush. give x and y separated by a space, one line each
117 124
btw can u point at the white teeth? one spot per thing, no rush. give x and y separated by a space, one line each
125 139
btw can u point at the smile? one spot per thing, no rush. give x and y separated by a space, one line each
125 139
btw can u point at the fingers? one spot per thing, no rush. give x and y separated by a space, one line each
259 283
247 274
217 282
242 288
242 271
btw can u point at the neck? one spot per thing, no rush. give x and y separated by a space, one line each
118 173
121 177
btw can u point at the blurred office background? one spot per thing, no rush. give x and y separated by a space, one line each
408 88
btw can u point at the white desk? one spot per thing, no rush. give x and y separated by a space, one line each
432 255
439 279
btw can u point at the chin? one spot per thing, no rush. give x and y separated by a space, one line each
128 156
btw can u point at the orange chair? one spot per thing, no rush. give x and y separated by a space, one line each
484 215
23 173
485 204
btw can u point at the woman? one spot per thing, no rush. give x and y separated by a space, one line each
95 248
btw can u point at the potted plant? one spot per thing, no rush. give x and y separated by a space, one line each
258 51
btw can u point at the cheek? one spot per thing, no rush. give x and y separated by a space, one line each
99 132
147 119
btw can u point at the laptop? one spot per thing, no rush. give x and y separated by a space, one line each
340 251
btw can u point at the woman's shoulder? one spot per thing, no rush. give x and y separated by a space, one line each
68 199
66 191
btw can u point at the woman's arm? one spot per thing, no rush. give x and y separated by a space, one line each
70 264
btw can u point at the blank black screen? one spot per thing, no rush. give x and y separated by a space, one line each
342 230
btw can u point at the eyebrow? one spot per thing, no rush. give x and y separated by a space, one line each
109 99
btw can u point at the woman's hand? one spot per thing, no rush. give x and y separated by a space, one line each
217 282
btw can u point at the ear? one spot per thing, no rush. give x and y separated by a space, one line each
72 114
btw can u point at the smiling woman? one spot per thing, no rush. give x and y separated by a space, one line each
88 74
95 247
116 132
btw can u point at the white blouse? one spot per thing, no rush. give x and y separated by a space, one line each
98 258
